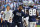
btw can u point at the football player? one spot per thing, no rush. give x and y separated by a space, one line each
8 16
33 14
17 19
2 18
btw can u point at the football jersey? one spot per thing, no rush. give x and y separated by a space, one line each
8 14
18 16
32 14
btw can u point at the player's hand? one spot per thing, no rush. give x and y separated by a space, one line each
10 20
25 23
17 8
37 19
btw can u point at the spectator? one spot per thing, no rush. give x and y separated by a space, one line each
3 9
15 5
11 5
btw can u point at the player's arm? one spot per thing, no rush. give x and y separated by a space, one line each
10 14
14 12
10 19
1 16
37 14
24 15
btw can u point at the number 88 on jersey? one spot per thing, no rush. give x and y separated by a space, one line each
32 12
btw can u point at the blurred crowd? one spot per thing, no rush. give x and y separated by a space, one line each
15 3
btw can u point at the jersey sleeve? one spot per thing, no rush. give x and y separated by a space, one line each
13 12
24 15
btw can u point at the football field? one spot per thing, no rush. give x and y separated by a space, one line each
38 25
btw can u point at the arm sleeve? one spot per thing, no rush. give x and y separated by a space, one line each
24 15
11 14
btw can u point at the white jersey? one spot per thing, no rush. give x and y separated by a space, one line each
32 12
8 14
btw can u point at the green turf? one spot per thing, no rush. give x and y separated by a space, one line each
38 25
